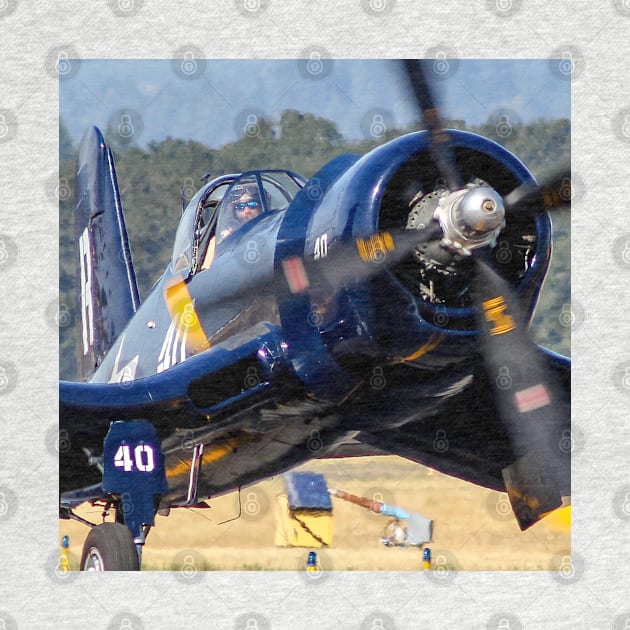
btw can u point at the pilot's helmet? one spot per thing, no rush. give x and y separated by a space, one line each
240 189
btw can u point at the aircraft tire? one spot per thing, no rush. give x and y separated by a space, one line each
109 547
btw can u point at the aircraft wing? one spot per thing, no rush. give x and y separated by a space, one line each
226 376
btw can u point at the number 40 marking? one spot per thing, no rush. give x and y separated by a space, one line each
143 458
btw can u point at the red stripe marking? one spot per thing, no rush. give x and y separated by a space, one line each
295 274
532 398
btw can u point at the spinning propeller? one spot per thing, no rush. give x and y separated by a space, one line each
527 399
467 221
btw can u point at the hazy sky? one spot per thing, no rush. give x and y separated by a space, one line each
213 100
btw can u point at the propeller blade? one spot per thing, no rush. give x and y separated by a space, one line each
441 149
358 259
528 401
530 199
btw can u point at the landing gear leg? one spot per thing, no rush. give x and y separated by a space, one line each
134 479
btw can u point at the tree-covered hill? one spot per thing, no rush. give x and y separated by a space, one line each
152 181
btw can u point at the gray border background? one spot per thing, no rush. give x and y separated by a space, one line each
590 593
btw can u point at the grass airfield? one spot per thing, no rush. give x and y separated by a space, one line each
473 527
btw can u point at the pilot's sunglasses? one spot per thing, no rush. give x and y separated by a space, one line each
246 204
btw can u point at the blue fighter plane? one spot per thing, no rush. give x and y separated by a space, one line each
381 306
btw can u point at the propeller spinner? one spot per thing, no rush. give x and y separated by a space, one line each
471 217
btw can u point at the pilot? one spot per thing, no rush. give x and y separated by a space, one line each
244 206
248 207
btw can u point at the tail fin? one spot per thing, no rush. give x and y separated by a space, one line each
108 292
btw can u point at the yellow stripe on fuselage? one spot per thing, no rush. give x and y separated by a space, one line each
183 314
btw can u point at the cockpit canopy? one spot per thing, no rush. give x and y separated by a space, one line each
224 206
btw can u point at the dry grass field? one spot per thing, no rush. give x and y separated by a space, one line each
474 528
